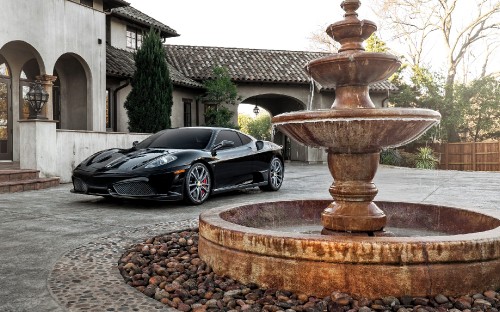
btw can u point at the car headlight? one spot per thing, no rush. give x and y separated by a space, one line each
162 160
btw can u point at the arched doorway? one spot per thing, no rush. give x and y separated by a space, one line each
5 108
277 104
70 92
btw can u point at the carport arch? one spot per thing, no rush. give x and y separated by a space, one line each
277 104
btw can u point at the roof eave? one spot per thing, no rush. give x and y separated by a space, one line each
111 4
164 33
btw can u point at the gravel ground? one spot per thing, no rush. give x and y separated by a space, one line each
168 269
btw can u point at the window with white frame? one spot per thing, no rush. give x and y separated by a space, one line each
134 38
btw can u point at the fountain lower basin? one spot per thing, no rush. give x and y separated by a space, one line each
243 243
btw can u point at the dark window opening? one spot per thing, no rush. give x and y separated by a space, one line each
89 3
108 110
187 112
56 93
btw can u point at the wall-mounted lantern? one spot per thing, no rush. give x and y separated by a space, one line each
256 110
36 97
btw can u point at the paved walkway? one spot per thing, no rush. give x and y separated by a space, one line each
57 249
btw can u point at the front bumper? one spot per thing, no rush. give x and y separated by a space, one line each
160 186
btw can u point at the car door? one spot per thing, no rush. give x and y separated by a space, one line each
232 165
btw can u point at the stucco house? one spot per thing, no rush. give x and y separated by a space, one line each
82 52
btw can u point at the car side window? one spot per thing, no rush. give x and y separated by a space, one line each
245 139
228 135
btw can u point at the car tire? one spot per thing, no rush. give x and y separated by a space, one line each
275 175
197 184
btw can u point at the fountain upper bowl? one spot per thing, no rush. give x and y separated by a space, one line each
348 68
357 130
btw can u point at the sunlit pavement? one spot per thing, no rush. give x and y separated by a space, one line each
37 228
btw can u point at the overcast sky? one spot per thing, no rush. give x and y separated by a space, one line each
260 24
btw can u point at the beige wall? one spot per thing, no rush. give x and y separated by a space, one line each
121 112
117 33
178 96
177 118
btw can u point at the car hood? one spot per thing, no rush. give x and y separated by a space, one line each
123 159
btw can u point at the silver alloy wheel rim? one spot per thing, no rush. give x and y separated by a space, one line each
199 183
276 173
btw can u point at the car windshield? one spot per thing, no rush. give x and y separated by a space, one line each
182 138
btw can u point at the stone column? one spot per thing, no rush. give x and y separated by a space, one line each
38 146
47 82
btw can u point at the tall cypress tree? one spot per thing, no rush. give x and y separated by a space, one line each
149 104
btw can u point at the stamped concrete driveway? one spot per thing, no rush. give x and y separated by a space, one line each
39 227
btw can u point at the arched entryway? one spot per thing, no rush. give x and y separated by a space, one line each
277 104
5 116
71 93
20 63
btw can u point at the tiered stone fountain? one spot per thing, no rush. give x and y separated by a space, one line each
355 252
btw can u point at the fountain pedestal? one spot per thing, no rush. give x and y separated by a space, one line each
353 191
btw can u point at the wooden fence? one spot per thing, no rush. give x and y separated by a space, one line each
469 156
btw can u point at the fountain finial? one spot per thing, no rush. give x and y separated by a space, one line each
351 32
350 7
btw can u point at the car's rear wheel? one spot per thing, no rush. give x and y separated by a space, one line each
275 175
197 184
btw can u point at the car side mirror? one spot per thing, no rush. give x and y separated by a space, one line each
222 145
259 144
134 144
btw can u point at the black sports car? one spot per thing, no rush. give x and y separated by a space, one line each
183 163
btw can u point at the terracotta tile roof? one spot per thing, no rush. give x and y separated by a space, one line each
383 86
120 63
246 65
249 65
136 16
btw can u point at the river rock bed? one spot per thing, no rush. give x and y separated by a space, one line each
168 269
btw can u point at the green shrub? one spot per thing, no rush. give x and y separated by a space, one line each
260 127
149 104
219 117
220 90
425 158
408 159
391 157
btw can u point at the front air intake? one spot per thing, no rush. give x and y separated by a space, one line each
136 188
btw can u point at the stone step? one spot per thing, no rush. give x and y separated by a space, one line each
18 175
28 185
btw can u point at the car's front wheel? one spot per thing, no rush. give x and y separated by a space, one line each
197 184
275 175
